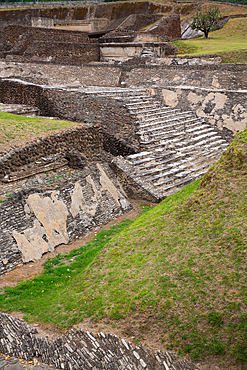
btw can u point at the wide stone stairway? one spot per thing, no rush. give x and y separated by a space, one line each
176 146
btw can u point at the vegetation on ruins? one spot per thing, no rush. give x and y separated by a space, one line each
206 22
177 273
228 42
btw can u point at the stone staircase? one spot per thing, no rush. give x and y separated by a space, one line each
177 147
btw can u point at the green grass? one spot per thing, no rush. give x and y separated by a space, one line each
60 274
177 273
16 129
230 41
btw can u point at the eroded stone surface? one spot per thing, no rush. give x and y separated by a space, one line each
222 108
41 222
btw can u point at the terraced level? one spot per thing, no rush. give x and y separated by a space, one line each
177 147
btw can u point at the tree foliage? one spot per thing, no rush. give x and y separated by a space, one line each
206 22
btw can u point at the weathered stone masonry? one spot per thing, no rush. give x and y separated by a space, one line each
36 221
221 108
106 124
83 350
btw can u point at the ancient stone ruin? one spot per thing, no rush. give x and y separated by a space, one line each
82 350
149 123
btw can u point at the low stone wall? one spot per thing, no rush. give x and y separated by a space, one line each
222 108
109 125
62 53
228 77
83 350
84 139
35 222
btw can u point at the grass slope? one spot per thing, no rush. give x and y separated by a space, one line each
16 130
178 271
230 42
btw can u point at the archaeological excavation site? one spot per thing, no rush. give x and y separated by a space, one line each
101 118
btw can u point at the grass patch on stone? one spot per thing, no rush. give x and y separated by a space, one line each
16 130
232 38
178 273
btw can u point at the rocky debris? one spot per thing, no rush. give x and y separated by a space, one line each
82 350
14 363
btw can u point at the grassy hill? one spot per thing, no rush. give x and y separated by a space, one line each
230 42
177 274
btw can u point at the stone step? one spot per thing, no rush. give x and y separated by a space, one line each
162 126
181 125
178 141
175 136
178 157
148 124
156 138
156 112
188 165
178 147
140 102
176 176
136 99
143 106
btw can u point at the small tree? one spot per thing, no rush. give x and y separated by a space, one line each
206 22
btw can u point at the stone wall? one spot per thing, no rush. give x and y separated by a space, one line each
83 350
42 22
222 108
124 51
110 125
138 21
61 53
175 73
26 160
118 36
49 45
35 222
228 77
110 11
168 28
20 37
